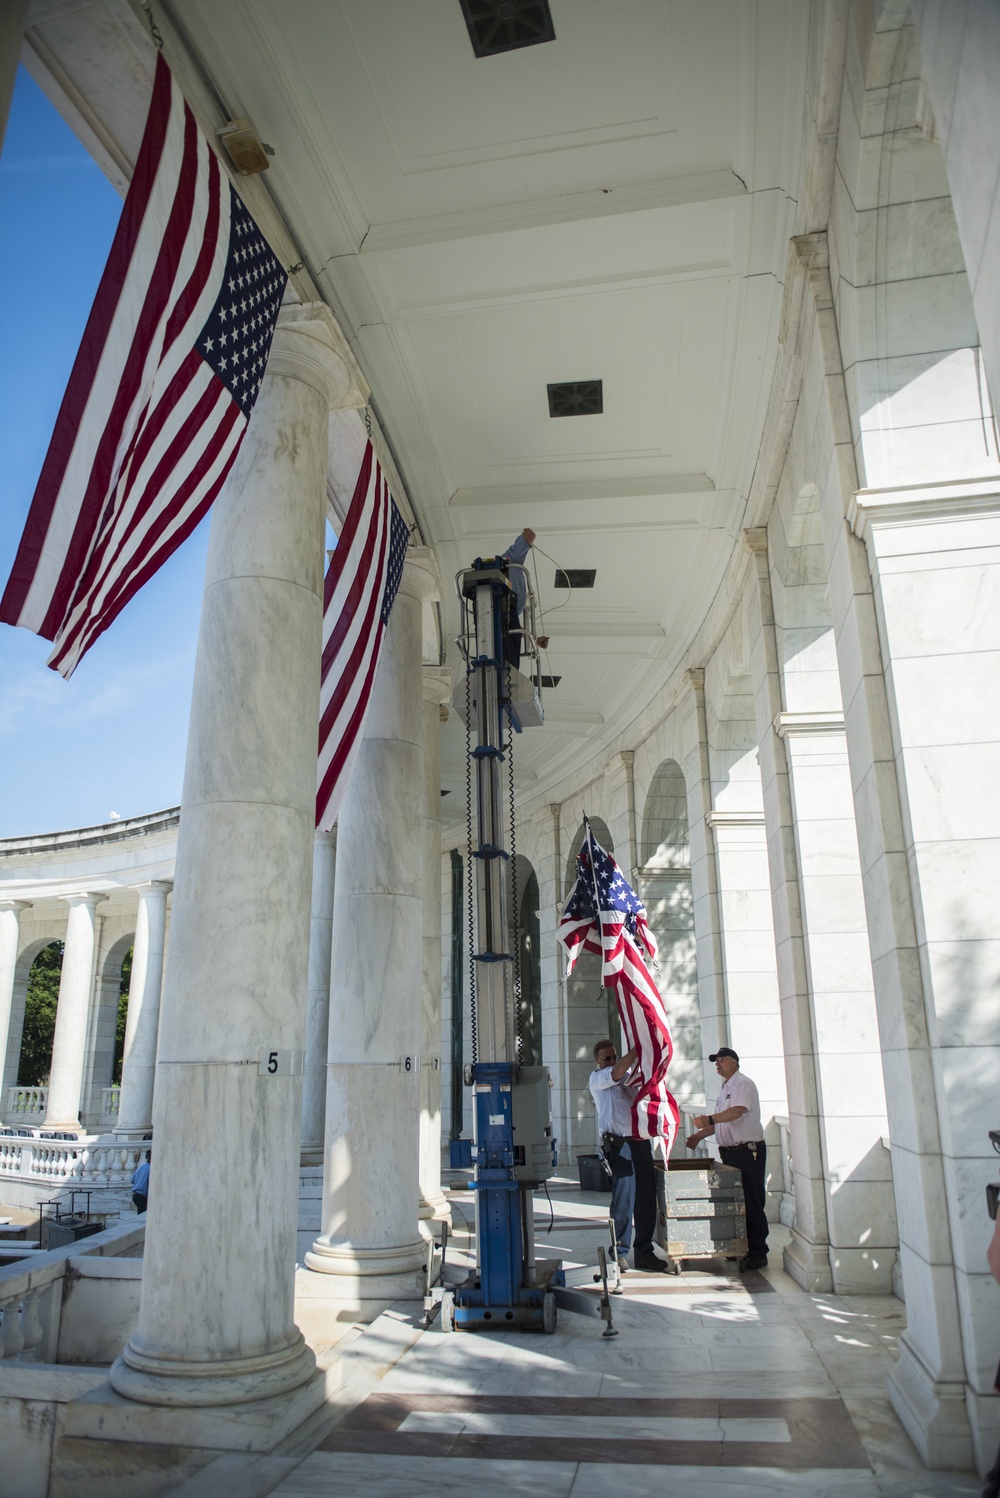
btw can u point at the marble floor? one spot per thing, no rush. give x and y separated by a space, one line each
715 1385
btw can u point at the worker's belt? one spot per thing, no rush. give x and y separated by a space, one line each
619 1139
753 1145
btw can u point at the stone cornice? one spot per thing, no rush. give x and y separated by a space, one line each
89 837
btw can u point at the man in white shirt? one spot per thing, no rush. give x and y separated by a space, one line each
633 1183
736 1125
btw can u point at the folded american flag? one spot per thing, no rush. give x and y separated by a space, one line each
605 916
361 585
161 390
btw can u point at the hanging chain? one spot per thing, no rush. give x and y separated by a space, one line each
516 924
153 28
470 868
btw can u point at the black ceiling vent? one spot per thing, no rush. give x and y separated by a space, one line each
575 577
576 398
549 683
505 25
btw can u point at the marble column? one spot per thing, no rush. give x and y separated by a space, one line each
433 1202
370 1250
76 984
135 1107
216 1323
806 1258
318 1004
10 917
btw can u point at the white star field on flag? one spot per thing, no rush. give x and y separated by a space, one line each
236 338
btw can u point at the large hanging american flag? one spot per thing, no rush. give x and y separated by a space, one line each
160 394
361 585
605 916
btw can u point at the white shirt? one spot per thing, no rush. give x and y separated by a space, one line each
613 1101
739 1092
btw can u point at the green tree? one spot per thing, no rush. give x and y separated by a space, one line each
40 1016
123 988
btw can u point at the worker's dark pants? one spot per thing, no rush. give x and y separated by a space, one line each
139 1201
633 1192
751 1162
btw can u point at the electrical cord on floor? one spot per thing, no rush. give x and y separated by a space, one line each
552 1210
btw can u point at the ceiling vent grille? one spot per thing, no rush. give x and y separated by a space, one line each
576 398
575 577
549 683
505 25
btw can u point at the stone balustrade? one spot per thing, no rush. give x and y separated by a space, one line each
31 1291
27 1104
89 1163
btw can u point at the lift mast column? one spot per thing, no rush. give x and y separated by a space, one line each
513 1149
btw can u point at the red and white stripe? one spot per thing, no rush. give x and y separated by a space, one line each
353 634
146 433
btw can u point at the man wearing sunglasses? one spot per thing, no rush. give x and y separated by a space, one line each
633 1184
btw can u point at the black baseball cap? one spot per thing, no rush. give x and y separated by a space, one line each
724 1051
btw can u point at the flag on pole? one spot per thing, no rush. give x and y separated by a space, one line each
160 394
605 916
361 585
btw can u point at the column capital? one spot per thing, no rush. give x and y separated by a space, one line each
437 683
309 346
788 725
695 678
921 504
421 579
755 538
90 898
16 905
153 886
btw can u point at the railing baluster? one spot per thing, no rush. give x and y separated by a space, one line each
11 1339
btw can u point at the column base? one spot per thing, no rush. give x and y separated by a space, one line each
142 1133
933 1413
808 1263
311 1154
354 1281
862 1271
64 1125
189 1384
435 1208
111 1444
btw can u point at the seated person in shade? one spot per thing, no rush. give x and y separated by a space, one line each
516 552
140 1185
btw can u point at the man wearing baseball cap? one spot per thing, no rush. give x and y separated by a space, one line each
736 1124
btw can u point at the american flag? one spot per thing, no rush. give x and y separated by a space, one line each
160 393
605 916
361 584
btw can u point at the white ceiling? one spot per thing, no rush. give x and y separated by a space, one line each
614 205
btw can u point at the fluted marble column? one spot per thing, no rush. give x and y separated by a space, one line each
216 1324
433 1202
76 985
10 917
318 1003
370 1246
135 1107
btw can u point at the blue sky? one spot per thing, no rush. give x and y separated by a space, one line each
112 739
